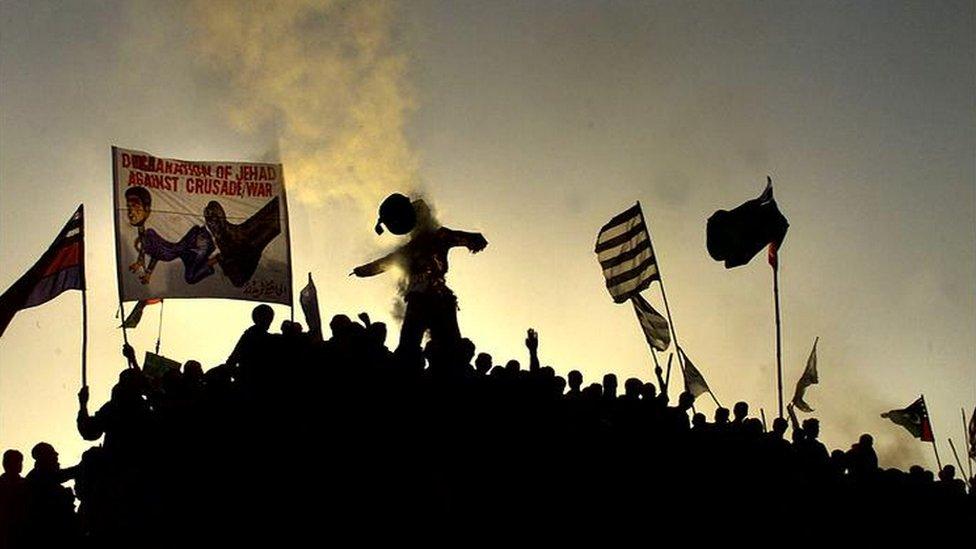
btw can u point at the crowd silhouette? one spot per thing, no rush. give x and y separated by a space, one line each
295 436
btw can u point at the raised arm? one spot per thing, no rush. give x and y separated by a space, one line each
472 241
532 343
130 355
797 430
376 267
88 427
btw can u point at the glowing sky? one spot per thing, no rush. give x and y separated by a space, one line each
534 123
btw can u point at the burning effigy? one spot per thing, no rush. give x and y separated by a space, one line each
430 304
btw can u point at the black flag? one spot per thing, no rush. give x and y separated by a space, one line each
737 236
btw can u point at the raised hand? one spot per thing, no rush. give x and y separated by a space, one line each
83 397
532 340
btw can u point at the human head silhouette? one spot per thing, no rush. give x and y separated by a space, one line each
741 410
811 428
483 363
686 400
779 426
13 462
610 386
721 416
45 457
262 315
575 379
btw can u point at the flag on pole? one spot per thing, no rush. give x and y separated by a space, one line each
309 298
61 268
737 236
655 326
694 380
915 418
808 378
135 316
624 251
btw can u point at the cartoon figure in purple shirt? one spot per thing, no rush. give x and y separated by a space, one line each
194 249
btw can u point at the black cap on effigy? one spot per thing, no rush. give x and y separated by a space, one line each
397 213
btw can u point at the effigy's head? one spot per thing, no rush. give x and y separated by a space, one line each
397 213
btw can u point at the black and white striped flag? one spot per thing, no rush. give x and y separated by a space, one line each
624 251
655 326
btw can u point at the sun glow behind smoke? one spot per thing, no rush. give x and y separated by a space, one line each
325 80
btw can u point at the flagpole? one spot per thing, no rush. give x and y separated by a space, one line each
965 436
779 349
118 251
84 305
935 447
958 462
159 333
762 413
660 279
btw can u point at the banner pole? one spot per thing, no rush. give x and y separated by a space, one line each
118 251
159 333
291 278
779 344
762 414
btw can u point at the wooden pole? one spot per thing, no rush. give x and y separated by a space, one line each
934 446
958 461
291 280
84 305
762 413
159 333
118 251
965 436
779 346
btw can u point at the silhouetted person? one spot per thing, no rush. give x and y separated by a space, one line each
721 419
13 497
609 387
862 461
575 381
950 486
678 415
740 411
50 507
254 341
431 305
633 388
483 363
125 419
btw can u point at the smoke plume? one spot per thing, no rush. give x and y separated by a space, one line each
325 79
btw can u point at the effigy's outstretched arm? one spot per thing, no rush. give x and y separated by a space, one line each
472 241
376 267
